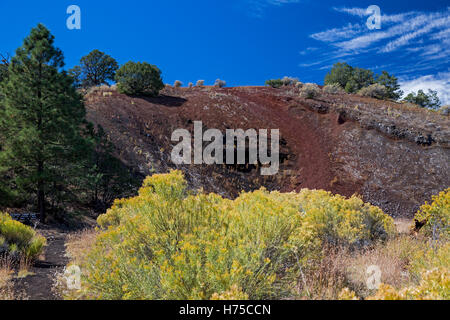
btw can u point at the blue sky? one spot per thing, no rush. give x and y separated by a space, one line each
246 42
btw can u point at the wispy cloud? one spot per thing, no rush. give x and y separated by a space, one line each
398 30
422 39
337 34
353 11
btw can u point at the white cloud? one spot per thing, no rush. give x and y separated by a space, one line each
359 12
440 83
337 34
429 24
415 44
398 29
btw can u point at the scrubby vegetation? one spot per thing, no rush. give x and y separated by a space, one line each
375 90
139 78
286 81
274 83
167 244
18 241
436 216
426 258
353 79
220 83
6 284
310 91
289 81
333 88
445 110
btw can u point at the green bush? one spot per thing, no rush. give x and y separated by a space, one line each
16 237
139 79
167 244
275 83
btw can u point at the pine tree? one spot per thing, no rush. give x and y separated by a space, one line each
42 116
95 69
391 84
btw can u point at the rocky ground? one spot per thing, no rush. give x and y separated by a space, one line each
395 155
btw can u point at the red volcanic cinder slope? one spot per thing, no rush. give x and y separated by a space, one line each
395 156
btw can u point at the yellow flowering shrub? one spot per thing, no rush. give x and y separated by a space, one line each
167 244
436 215
19 240
339 221
437 255
235 293
347 294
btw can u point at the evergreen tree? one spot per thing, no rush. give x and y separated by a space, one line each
340 74
360 78
4 62
425 100
106 177
95 69
391 84
42 117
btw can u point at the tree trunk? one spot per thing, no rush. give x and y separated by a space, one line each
41 194
40 169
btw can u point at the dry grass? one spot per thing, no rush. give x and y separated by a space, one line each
341 268
78 245
323 280
404 226
6 275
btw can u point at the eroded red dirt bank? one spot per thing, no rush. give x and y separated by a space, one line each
395 156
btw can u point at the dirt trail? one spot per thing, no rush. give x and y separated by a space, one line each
38 286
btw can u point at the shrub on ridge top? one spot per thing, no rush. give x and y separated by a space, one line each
309 91
139 79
